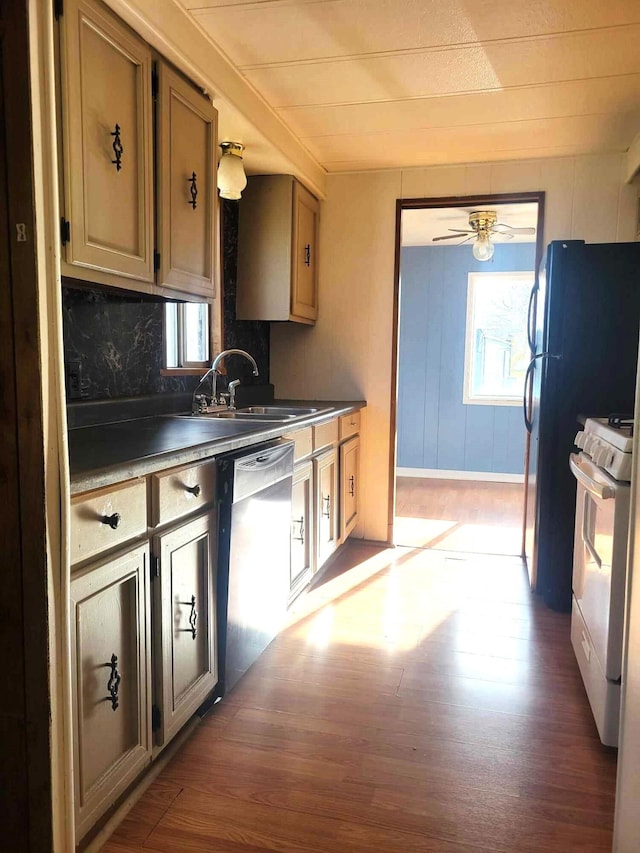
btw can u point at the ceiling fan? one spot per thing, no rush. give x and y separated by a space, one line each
483 224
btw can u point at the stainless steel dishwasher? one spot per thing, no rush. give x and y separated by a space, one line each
254 554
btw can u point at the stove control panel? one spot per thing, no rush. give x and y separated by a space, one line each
611 459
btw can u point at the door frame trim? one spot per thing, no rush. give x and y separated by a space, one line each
433 203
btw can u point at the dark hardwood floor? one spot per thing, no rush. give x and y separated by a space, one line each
418 701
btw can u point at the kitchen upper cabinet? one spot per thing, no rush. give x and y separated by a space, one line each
187 199
110 644
349 485
278 251
185 648
107 148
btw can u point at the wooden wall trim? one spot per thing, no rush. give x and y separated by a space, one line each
23 284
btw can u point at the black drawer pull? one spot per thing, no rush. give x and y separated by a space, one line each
114 681
194 490
112 520
352 486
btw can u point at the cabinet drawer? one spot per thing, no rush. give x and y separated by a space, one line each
181 491
107 517
349 425
324 435
303 442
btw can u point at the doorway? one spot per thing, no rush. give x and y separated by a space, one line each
465 269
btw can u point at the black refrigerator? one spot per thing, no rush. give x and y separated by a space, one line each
584 322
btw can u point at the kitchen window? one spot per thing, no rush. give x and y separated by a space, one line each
496 348
186 335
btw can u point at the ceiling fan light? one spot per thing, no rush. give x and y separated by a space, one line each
231 177
483 248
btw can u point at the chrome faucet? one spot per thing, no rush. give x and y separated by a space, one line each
199 402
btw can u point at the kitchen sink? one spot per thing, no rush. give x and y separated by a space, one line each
268 414
242 415
285 411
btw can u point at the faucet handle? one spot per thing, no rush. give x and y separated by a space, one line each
232 392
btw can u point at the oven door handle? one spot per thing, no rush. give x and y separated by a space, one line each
600 490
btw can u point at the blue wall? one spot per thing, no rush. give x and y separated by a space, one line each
435 428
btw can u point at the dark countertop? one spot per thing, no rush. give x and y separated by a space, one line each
101 455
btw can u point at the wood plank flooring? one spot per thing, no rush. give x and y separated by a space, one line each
418 701
459 515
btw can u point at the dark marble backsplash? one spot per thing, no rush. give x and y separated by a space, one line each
113 343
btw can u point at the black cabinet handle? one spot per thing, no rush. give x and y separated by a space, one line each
299 521
114 681
193 618
118 150
327 512
352 486
307 255
193 190
194 490
112 520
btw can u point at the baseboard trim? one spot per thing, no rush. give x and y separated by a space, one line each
479 476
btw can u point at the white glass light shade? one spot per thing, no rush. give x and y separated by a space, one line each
231 177
483 248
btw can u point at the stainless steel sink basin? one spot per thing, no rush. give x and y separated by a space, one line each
273 414
285 411
242 415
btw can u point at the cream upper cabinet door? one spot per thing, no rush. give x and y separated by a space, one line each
185 622
108 146
111 684
304 287
187 201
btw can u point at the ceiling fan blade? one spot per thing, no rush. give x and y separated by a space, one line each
512 230
448 237
462 230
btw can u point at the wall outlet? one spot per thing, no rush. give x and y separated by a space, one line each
73 379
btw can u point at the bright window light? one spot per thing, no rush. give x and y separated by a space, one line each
186 326
496 347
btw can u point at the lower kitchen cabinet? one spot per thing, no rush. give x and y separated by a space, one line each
349 486
302 517
326 484
184 624
110 641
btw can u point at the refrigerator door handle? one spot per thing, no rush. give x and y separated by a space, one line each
530 330
525 398
528 378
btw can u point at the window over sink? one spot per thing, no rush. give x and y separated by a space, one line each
187 335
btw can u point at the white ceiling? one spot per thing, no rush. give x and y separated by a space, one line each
420 226
368 84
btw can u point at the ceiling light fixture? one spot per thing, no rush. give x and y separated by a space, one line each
482 221
231 177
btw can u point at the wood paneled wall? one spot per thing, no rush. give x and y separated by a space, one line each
435 428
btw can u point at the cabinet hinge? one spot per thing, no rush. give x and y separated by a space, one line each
65 231
155 566
156 261
58 8
156 718
154 81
